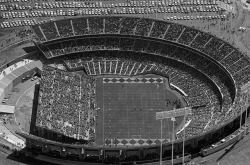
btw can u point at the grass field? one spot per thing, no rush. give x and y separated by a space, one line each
128 109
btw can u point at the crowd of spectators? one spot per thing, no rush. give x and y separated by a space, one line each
201 41
50 31
64 28
80 26
188 36
116 25
199 119
64 103
24 33
39 34
205 82
113 65
138 45
152 156
201 93
132 158
112 159
196 97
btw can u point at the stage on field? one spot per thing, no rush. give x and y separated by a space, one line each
128 106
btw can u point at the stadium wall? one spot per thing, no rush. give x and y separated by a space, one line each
16 76
7 147
100 152
45 147
82 151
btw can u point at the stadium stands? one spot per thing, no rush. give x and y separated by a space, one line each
190 80
173 32
65 103
209 70
213 47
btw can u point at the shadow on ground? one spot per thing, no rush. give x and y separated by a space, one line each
21 158
227 151
30 49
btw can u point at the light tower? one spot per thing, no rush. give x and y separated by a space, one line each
172 114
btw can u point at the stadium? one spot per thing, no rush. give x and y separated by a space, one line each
100 86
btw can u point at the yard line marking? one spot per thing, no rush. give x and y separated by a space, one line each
103 112
144 132
127 111
244 154
79 112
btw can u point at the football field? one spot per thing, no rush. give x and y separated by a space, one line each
128 108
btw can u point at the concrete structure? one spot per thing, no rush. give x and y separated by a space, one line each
7 109
14 74
9 78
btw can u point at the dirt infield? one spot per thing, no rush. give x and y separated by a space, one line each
23 101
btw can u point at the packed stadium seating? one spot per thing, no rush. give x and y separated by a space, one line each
194 83
207 69
192 59
117 66
65 102
189 80
213 47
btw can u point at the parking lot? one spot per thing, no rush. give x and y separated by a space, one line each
18 14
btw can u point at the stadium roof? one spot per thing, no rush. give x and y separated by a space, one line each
7 109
